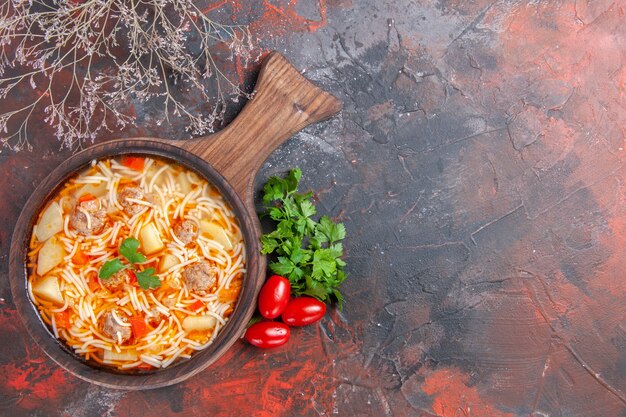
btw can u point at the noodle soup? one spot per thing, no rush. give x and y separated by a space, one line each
136 263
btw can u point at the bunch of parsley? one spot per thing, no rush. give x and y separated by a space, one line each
306 252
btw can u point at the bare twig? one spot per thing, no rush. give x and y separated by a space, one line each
87 60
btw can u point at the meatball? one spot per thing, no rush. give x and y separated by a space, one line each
111 327
186 231
88 217
116 281
200 276
130 192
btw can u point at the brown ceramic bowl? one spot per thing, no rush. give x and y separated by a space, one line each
284 102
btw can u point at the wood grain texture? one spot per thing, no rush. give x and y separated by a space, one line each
238 151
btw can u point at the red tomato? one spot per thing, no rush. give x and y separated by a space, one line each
138 326
86 197
133 162
62 319
80 258
197 305
132 278
274 296
93 282
303 310
267 334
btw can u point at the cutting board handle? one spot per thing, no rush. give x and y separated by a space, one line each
284 102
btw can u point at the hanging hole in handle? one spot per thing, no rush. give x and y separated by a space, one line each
298 108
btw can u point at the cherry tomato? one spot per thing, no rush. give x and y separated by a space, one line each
274 296
303 310
267 334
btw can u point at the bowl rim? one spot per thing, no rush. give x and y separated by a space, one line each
57 350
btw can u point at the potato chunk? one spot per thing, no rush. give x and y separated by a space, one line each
48 289
150 239
151 172
215 232
96 190
51 222
130 356
198 323
183 183
50 255
167 261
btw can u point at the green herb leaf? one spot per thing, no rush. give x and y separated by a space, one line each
299 255
274 189
336 250
307 208
146 279
292 180
110 267
315 289
324 263
128 249
268 244
275 213
339 298
283 267
332 231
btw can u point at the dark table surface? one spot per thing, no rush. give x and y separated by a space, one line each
479 167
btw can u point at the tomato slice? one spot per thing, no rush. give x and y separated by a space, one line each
274 296
80 258
196 306
303 310
132 278
138 326
93 282
267 334
86 197
62 319
133 162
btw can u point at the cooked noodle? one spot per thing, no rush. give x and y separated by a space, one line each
75 303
